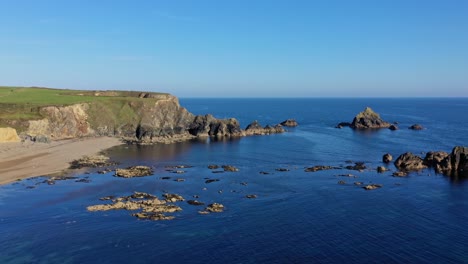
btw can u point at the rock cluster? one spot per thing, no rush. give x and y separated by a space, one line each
134 171
453 164
151 207
91 162
255 128
289 123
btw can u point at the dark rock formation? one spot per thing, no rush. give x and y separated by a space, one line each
387 158
368 119
213 167
255 128
319 168
289 123
453 164
359 166
393 127
207 125
195 202
343 124
251 196
409 162
281 169
416 127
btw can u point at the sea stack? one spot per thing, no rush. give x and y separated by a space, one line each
368 119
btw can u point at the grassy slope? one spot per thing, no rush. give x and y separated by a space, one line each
23 103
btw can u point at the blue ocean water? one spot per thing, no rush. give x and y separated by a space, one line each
298 217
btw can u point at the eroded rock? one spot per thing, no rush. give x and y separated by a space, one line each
386 158
409 162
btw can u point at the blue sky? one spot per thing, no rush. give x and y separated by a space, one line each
239 48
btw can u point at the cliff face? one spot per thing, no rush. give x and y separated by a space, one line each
160 119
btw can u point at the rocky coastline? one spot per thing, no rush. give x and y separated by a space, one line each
156 121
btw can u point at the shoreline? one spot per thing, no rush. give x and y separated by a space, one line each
23 160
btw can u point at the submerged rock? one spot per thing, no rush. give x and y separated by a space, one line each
230 168
393 127
416 127
381 169
319 168
211 180
281 169
399 174
195 202
213 167
153 216
372 186
251 196
134 171
359 166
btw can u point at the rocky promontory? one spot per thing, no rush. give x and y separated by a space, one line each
137 117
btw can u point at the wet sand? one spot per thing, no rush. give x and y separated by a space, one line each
27 159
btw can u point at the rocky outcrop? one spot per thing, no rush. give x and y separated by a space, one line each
367 119
153 118
62 122
409 162
255 128
8 134
91 162
386 158
134 171
416 127
151 207
453 164
209 126
289 123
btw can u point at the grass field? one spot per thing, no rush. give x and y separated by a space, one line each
23 103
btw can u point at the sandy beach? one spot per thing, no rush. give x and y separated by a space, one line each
27 159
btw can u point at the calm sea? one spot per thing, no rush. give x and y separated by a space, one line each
297 217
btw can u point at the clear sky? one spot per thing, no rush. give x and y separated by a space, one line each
240 48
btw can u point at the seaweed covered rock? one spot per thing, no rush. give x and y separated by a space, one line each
91 162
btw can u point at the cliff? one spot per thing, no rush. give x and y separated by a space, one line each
135 116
